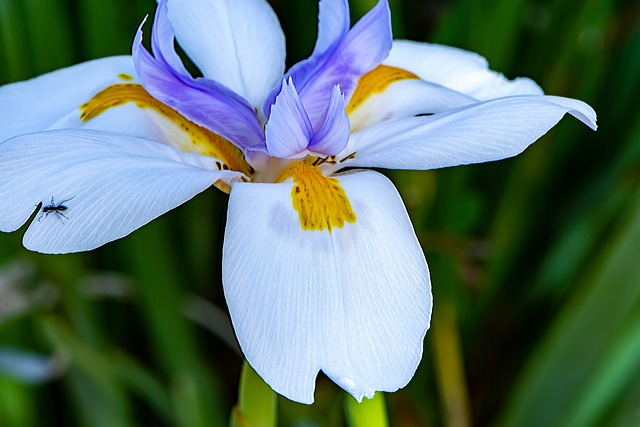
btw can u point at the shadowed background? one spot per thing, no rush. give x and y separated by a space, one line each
534 260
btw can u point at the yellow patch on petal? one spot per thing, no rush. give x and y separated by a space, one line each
321 202
376 81
184 134
125 77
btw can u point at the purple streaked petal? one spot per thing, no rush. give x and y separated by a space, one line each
204 102
362 49
162 41
333 24
289 129
333 136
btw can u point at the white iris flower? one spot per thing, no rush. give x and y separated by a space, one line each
321 266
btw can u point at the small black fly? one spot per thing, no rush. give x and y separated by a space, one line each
55 208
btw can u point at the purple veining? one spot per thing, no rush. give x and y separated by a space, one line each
205 102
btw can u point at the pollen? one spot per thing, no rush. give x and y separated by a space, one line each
321 202
183 133
376 81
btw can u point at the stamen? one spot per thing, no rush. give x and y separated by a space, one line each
320 201
376 81
198 139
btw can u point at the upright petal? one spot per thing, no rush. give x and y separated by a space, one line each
362 49
483 132
457 69
109 184
289 129
202 101
163 41
238 43
333 24
333 136
35 105
354 302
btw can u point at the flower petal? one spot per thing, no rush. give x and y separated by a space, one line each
354 303
163 41
202 101
463 71
238 43
362 49
289 129
109 183
333 136
482 132
333 24
380 100
35 105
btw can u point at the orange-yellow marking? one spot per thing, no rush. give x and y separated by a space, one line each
376 81
320 201
200 140
125 77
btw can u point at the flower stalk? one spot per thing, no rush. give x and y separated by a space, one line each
368 413
257 403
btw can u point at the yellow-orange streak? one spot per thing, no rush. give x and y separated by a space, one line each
376 81
321 202
200 140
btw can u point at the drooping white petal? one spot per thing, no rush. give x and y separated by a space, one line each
289 129
482 132
128 119
354 303
460 70
35 105
238 43
109 183
406 98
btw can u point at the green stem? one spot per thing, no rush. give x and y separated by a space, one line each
368 413
257 403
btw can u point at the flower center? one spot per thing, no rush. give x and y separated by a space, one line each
320 201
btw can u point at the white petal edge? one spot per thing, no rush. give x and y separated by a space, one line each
482 132
36 104
355 304
238 43
114 184
458 69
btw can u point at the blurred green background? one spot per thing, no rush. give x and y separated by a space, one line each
535 261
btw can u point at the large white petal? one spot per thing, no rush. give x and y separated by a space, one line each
355 303
112 185
35 105
482 132
460 70
238 43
